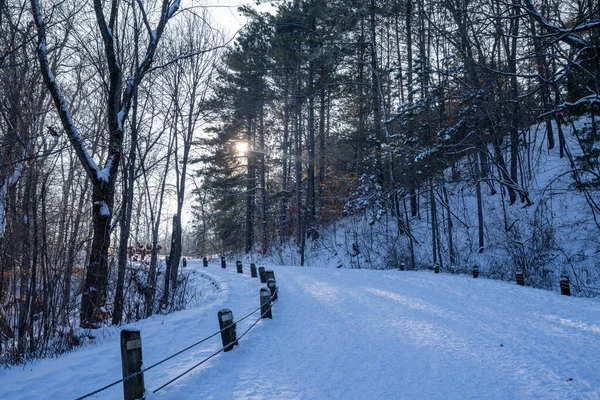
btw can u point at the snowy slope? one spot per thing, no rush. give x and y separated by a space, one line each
555 235
352 334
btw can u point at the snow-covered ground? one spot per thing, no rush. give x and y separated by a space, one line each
350 334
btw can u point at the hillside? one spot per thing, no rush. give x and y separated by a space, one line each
349 334
556 234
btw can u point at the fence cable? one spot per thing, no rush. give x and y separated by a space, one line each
175 355
218 351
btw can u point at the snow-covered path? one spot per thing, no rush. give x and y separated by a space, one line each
354 334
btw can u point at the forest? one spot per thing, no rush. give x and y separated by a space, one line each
361 134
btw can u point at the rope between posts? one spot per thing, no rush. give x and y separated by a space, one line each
220 350
261 316
171 356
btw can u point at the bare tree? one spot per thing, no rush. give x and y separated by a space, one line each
103 176
188 84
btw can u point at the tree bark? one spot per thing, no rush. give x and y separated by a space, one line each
284 169
263 181
250 187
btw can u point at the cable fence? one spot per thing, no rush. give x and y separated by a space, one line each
218 351
230 326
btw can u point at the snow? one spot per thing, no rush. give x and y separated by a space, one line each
121 113
64 330
173 9
6 184
103 174
590 99
348 334
104 210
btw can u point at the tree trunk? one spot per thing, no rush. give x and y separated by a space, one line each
96 278
263 181
310 147
359 142
411 245
298 168
451 249
323 106
125 222
409 85
434 227
71 254
150 293
542 70
250 188
174 255
32 303
515 119
284 172
479 206
26 261
377 130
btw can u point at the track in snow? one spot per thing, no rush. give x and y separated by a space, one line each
355 334
358 334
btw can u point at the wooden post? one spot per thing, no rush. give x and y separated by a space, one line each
223 263
265 303
238 265
261 272
272 285
205 262
436 268
228 336
475 271
402 266
131 361
269 274
565 285
520 278
253 270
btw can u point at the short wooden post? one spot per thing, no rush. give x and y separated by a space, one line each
131 361
261 272
228 335
475 271
565 285
402 266
265 303
520 278
436 268
223 263
269 274
238 265
272 285
205 262
253 270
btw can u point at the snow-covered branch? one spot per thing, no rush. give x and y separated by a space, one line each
568 36
589 100
173 8
71 130
151 32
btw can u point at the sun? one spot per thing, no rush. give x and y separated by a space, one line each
241 148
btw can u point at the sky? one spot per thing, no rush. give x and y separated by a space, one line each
226 15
